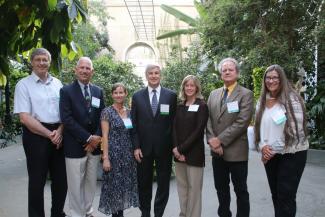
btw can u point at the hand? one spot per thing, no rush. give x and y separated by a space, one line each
176 153
107 165
94 140
214 143
181 158
264 161
218 150
138 155
267 152
56 138
89 148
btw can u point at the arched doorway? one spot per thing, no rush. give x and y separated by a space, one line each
140 54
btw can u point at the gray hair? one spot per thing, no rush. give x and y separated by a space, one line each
197 83
40 51
87 59
226 60
151 66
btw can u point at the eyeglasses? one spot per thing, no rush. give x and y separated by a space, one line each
41 60
275 78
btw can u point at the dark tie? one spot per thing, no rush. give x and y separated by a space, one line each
154 102
225 95
87 97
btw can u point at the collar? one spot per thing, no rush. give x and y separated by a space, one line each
158 89
231 88
83 85
37 79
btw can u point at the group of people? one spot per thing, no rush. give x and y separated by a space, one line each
67 131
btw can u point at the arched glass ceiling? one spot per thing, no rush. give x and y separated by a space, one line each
143 18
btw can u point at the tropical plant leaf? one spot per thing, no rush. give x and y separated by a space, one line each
64 50
81 9
73 13
74 46
4 66
200 9
176 33
180 15
51 4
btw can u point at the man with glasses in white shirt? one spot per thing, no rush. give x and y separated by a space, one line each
36 101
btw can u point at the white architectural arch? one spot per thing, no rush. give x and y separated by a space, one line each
141 53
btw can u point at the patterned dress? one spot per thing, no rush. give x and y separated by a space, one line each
119 188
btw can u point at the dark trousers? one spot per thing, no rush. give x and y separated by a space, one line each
145 178
237 171
118 214
284 173
42 157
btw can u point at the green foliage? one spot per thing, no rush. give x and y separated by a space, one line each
319 33
84 36
177 68
179 15
9 131
316 110
25 25
261 33
193 23
175 33
109 71
257 81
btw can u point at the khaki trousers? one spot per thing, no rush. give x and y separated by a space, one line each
82 180
189 186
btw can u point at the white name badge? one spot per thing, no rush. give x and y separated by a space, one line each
127 123
95 102
279 117
232 107
164 109
193 108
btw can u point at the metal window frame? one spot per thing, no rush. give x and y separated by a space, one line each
142 14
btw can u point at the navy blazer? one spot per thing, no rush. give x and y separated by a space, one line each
78 123
153 134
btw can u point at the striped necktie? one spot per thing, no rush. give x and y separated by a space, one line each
154 102
87 98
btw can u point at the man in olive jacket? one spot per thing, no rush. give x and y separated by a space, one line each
230 112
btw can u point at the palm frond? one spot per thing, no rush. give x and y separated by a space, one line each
180 15
176 33
200 9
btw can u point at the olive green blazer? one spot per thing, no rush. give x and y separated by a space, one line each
230 127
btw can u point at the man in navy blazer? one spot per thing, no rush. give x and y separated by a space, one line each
81 104
153 111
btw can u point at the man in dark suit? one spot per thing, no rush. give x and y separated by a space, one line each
230 112
81 104
153 110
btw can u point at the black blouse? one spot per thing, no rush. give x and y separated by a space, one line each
188 132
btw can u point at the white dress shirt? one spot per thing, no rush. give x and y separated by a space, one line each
38 98
82 86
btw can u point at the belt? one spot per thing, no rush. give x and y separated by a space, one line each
55 125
